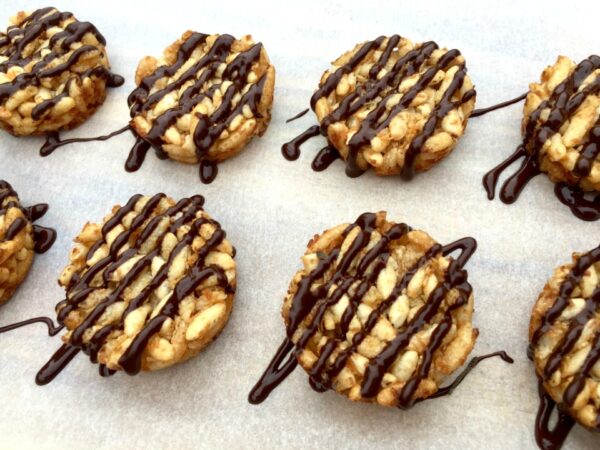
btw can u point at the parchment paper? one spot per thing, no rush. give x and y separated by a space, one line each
271 208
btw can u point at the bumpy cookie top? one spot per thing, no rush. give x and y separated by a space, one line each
393 105
564 335
562 121
205 98
378 313
150 286
16 241
53 71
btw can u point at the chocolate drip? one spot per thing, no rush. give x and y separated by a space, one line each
56 364
297 116
325 157
311 302
52 328
17 38
564 101
385 88
551 438
584 205
291 150
122 249
448 390
209 127
53 140
43 237
482 111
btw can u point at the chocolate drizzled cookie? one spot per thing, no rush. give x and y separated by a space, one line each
202 101
390 105
19 239
561 137
149 287
380 313
564 336
53 72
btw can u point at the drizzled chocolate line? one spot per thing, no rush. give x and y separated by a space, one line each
53 329
53 140
552 439
297 116
315 302
14 42
562 103
209 127
124 247
385 87
482 111
43 237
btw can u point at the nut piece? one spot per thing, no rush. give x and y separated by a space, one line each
163 286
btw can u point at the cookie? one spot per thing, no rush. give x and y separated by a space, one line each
394 106
19 239
380 313
564 335
149 287
202 101
54 72
561 137
561 123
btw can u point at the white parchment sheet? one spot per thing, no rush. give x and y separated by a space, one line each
271 208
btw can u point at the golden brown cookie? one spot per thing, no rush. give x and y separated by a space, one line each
561 123
564 335
149 287
394 106
379 313
53 72
203 100
16 242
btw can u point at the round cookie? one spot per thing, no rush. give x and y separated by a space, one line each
561 123
204 99
53 72
564 335
16 242
394 106
149 287
378 313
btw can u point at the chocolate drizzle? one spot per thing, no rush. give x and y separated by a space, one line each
53 140
552 439
384 88
53 329
482 111
43 237
126 247
564 101
209 127
313 298
14 45
297 116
